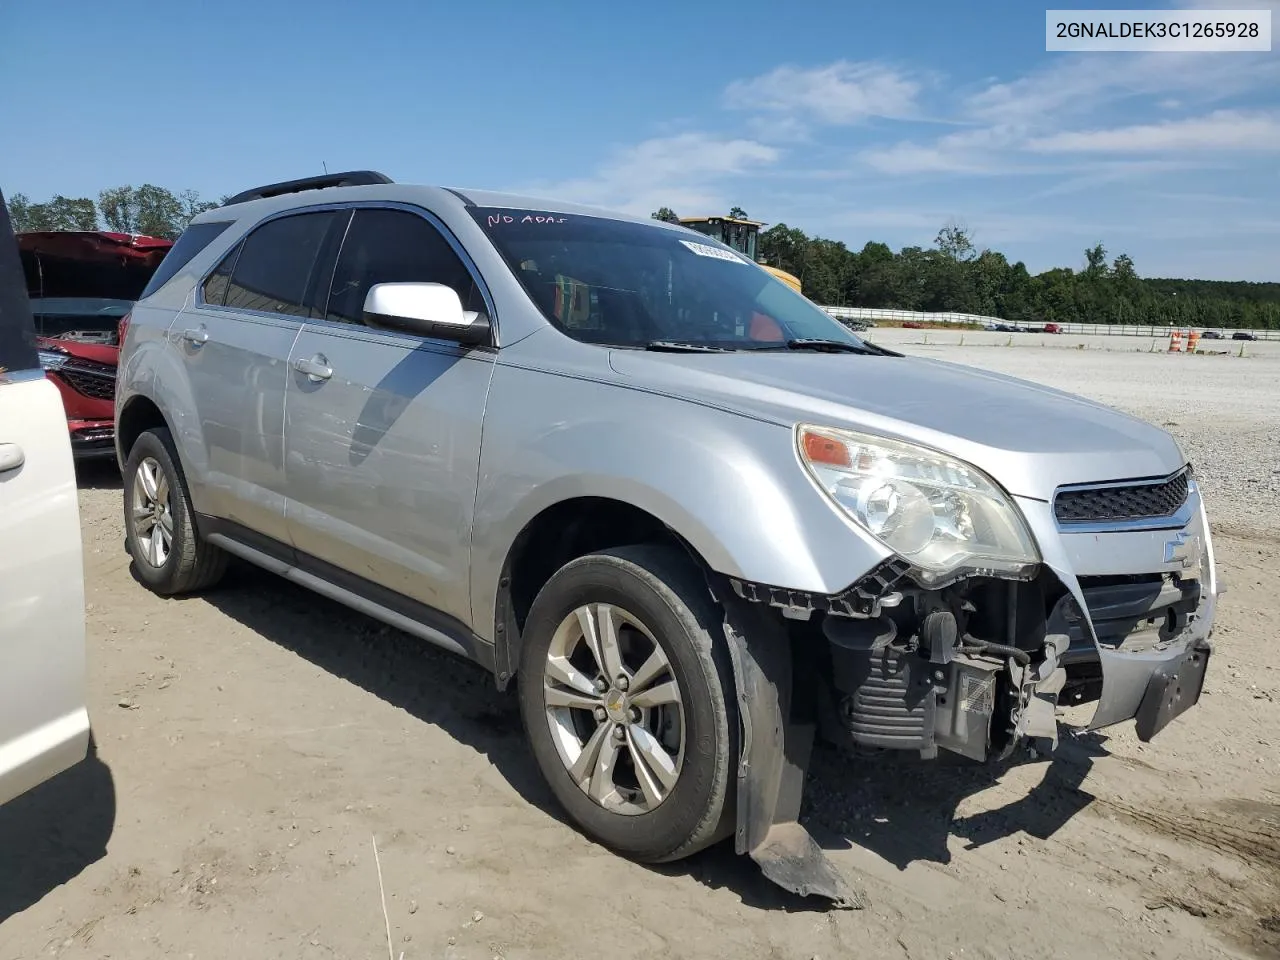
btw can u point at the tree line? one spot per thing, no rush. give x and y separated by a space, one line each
955 276
148 209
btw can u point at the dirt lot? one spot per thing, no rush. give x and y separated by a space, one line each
253 742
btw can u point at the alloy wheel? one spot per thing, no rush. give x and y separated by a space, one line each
152 516
614 708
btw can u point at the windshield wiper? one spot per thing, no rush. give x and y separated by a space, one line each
684 346
834 346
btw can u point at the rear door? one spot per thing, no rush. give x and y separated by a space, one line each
235 341
44 725
382 428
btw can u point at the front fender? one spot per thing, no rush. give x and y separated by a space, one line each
730 486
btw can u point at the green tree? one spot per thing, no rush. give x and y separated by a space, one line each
151 210
665 214
737 213
955 242
60 213
1095 259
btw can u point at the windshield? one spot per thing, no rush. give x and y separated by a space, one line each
632 284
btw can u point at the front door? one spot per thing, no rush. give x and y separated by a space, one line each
382 429
235 342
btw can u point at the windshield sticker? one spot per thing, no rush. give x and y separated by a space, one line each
704 250
495 219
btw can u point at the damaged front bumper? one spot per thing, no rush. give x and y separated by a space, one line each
1118 615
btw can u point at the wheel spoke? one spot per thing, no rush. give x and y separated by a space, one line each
560 697
559 668
610 652
602 784
166 521
157 546
650 670
162 488
652 763
166 533
582 767
656 696
147 473
143 521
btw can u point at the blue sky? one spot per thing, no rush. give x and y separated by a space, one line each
853 121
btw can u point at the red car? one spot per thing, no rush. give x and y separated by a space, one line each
1052 328
81 286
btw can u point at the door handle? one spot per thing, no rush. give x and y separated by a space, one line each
11 457
197 337
317 368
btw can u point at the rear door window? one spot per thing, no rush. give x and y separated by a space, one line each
276 271
193 240
395 246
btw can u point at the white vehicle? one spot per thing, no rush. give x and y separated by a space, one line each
44 724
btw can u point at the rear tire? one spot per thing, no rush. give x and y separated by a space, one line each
168 554
659 785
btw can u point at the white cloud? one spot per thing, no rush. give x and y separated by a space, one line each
684 171
1221 131
982 150
838 94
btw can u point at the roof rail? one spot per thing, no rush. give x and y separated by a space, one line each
352 178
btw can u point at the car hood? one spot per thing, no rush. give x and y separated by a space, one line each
1029 438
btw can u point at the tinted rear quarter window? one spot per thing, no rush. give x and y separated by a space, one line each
193 240
17 344
395 246
275 269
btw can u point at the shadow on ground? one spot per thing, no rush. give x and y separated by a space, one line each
900 808
52 833
97 474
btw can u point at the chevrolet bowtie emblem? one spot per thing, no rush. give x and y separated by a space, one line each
1184 550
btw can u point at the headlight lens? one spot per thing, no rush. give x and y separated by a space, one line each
940 514
51 359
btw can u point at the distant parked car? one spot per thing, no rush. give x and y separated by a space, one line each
1006 328
991 326
1211 335
1053 328
1244 335
913 324
82 286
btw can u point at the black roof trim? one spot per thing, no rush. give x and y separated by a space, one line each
352 178
461 196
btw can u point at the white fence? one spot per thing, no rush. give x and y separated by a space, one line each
1079 329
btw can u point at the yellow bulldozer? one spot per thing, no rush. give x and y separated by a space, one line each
741 235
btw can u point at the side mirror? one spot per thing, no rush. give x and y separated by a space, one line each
427 309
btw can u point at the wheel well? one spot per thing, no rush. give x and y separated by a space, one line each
559 534
135 419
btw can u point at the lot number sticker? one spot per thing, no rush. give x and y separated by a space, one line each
703 250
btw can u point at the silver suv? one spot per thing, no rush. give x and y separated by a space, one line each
694 518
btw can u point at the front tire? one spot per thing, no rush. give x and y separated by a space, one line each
168 554
626 698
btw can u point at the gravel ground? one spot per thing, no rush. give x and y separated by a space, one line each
1223 408
253 742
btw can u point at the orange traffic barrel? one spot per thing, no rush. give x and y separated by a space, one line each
1175 342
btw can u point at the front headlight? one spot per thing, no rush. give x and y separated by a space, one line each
52 359
938 513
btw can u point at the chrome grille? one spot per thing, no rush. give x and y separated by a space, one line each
96 380
1137 501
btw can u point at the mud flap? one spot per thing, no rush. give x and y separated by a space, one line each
772 763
